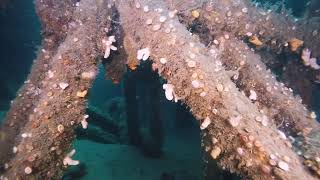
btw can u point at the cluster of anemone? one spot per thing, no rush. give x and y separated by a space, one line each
108 44
308 60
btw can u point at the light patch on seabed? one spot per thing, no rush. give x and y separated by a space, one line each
123 162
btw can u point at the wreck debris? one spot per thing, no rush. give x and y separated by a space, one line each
215 84
254 73
181 35
64 61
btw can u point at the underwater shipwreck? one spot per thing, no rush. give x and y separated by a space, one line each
242 75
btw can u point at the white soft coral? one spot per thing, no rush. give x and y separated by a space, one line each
308 60
84 122
109 46
169 92
68 161
143 54
305 56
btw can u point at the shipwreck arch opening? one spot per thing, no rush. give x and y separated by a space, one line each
152 144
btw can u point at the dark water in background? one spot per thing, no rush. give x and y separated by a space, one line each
297 6
20 36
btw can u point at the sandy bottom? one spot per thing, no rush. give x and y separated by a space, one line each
182 158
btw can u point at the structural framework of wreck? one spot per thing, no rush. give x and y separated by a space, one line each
213 56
